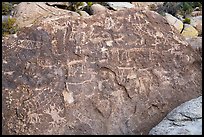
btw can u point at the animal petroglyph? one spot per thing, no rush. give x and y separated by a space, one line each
54 111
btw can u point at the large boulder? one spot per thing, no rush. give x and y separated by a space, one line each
178 24
28 13
185 119
119 72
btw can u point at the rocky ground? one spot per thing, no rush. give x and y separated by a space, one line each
96 71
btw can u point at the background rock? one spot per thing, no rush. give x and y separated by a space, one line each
58 3
178 24
196 13
84 14
146 5
114 73
5 17
97 8
120 5
189 31
196 43
186 119
26 13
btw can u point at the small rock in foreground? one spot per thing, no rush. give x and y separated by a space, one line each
183 120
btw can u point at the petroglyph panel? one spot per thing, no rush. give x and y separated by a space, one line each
115 73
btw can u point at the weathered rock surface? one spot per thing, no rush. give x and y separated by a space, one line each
120 5
197 23
27 13
178 24
117 73
186 119
189 31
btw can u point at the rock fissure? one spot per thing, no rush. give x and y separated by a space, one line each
116 80
182 29
189 118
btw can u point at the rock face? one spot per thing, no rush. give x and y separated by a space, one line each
117 73
186 119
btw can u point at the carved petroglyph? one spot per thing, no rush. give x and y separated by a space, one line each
74 67
159 34
109 23
67 30
34 118
161 75
105 53
29 44
82 82
82 117
109 43
8 73
78 50
54 111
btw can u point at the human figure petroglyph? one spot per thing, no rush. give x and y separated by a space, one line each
109 23
105 53
78 50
